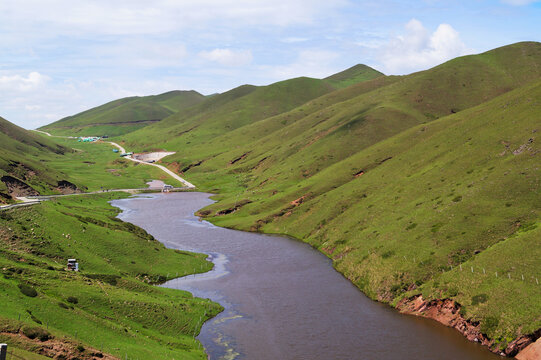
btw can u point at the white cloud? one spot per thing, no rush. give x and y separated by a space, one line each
313 63
228 57
139 53
33 81
519 2
160 16
32 107
418 49
292 40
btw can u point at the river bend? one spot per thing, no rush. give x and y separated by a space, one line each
283 299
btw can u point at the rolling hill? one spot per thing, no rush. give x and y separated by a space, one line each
21 172
124 115
423 189
353 75
229 111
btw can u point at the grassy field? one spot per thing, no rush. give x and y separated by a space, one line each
95 165
109 306
42 162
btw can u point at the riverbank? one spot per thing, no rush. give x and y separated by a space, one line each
454 282
447 312
110 307
283 299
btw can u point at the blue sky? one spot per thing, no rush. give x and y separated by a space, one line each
60 57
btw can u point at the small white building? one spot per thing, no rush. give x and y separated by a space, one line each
73 265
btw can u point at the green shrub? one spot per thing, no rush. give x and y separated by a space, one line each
411 226
28 290
479 299
63 306
72 299
36 333
106 278
453 291
489 324
436 227
34 319
527 226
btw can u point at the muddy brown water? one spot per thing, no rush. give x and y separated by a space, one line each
283 299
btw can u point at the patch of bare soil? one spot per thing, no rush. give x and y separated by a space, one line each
55 348
232 209
65 187
17 187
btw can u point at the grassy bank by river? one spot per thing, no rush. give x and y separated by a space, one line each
95 165
448 209
110 306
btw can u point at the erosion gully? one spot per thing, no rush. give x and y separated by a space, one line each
283 299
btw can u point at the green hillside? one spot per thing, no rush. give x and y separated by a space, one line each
110 306
399 217
353 75
124 115
229 111
35 164
21 172
334 126
400 180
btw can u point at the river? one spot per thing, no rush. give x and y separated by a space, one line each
283 299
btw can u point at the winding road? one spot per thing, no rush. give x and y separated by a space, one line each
31 200
122 150
163 168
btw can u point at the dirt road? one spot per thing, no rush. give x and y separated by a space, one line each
122 150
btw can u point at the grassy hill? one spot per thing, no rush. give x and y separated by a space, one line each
124 115
20 170
402 181
292 145
399 218
110 307
353 75
225 112
32 164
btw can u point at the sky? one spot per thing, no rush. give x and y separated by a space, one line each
61 57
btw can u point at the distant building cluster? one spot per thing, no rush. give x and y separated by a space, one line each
88 139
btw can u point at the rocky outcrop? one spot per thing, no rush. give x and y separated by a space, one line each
17 187
192 165
232 209
447 312
65 187
242 157
531 352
